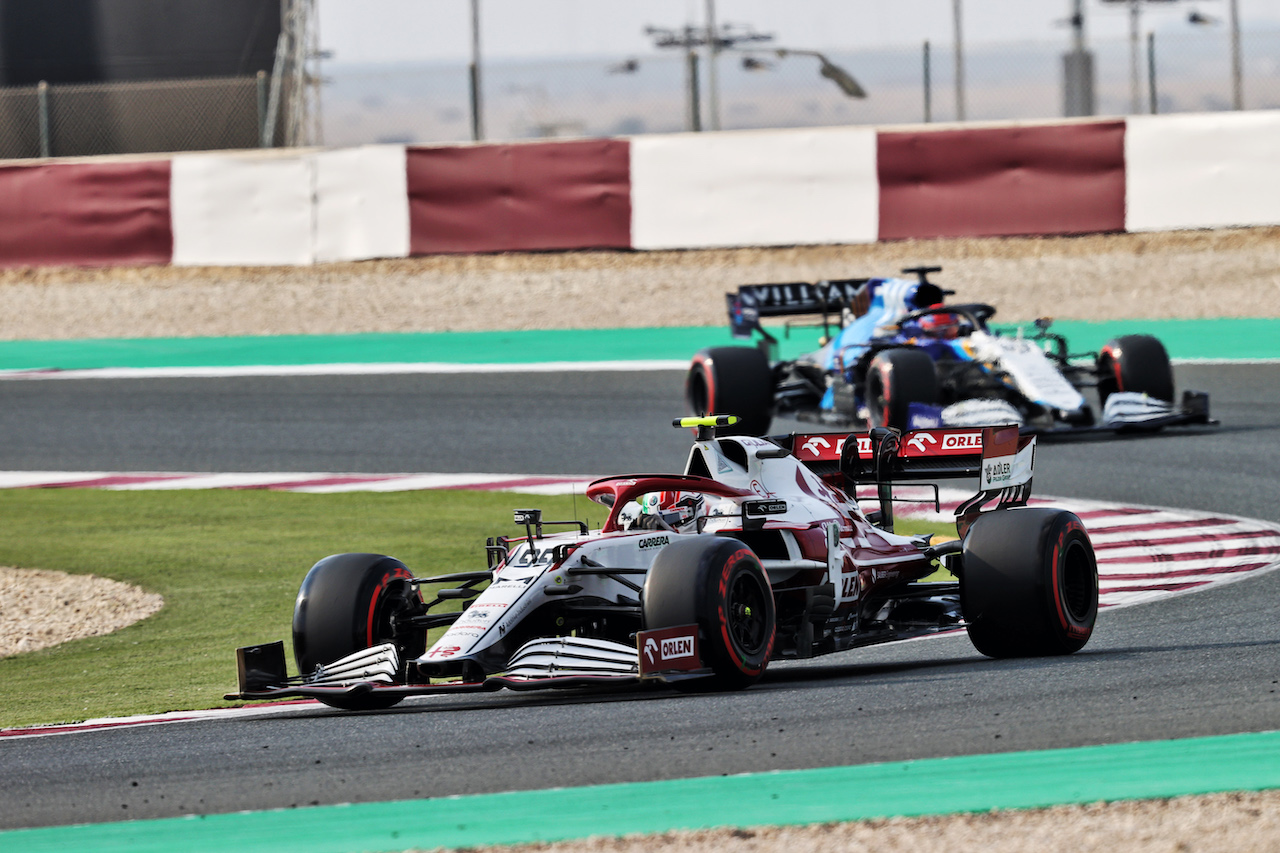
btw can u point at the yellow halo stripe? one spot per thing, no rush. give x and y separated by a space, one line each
707 421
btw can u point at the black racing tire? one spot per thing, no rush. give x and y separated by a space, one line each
896 378
732 381
345 604
1137 363
1028 583
717 583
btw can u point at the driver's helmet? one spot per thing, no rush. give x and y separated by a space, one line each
680 510
944 325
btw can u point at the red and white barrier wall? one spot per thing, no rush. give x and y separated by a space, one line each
745 188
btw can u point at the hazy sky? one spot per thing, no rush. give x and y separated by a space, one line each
396 30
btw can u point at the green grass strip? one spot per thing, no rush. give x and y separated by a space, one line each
1017 780
1235 338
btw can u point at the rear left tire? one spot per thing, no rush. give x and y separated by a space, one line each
896 378
732 381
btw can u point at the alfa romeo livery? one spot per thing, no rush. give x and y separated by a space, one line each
759 550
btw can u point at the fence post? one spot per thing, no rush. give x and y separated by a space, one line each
928 85
262 109
1153 101
42 102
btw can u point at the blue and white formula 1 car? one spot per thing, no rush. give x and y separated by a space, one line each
759 551
904 359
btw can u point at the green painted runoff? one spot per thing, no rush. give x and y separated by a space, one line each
1230 339
1015 780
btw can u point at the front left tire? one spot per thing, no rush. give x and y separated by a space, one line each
349 602
717 583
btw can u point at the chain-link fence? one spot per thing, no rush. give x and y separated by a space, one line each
430 103
127 118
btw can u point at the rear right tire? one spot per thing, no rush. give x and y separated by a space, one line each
732 381
1028 583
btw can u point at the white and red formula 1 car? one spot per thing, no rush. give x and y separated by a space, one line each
759 551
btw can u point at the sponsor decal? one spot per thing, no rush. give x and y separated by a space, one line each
922 441
764 507
759 489
723 466
676 647
962 441
668 649
814 443
652 542
953 442
444 651
997 472
822 447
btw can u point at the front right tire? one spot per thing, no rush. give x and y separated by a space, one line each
347 603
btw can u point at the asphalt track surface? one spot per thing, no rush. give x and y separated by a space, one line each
1200 664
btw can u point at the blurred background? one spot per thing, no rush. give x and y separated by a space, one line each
119 76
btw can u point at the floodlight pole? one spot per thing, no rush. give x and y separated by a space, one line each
477 123
1077 68
1237 72
1135 74
713 81
959 37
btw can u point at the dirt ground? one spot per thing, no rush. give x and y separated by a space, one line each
1229 273
1185 274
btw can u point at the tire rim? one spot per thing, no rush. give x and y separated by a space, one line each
1079 583
393 602
748 614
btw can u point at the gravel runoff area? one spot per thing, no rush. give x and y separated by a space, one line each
1126 276
1233 272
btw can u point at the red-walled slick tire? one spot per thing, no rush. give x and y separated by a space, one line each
1137 363
1028 583
896 378
732 381
348 602
718 584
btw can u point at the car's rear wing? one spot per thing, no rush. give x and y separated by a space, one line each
787 299
1001 458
